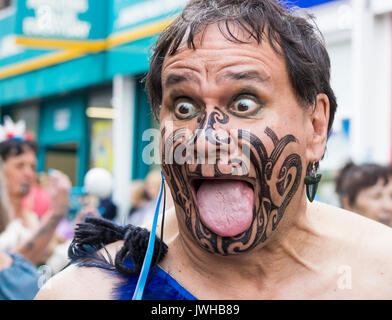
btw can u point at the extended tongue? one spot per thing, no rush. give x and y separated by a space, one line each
226 206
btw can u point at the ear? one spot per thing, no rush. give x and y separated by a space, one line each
318 127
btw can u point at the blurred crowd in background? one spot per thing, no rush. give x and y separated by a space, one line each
39 212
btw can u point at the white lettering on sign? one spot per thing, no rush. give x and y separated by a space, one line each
147 10
57 19
8 47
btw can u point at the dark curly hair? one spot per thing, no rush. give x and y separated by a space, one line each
292 36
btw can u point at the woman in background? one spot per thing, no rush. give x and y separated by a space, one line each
20 229
364 189
18 278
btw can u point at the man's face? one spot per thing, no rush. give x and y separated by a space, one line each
232 124
20 173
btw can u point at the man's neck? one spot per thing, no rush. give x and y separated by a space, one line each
285 253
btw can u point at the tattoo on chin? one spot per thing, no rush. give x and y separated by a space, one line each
277 176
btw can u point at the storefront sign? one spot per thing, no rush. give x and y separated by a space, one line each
61 19
131 13
8 48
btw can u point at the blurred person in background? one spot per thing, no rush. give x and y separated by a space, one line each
152 185
18 277
37 200
366 189
107 209
98 186
21 229
143 195
139 198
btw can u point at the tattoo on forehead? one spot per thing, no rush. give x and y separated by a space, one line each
277 181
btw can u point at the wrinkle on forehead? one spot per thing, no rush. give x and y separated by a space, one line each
214 53
234 31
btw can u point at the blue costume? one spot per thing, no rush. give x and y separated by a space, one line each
94 233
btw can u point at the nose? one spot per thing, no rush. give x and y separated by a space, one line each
212 134
214 127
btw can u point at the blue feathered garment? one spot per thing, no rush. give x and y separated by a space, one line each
161 287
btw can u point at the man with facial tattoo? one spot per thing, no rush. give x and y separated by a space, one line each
242 92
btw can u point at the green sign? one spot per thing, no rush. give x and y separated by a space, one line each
51 46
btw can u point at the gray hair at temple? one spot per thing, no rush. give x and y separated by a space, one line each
293 36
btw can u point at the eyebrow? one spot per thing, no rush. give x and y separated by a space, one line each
174 79
245 75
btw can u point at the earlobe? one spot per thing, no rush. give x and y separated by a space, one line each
319 118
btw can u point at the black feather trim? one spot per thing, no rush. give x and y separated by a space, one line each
94 233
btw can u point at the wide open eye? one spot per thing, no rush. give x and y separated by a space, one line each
245 106
184 109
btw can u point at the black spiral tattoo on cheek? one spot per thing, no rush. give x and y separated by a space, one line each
275 188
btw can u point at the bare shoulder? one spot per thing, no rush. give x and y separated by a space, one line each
363 244
81 283
354 230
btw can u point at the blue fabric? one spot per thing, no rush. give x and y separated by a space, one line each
161 287
19 281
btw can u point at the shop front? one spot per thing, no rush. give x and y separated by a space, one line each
73 71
